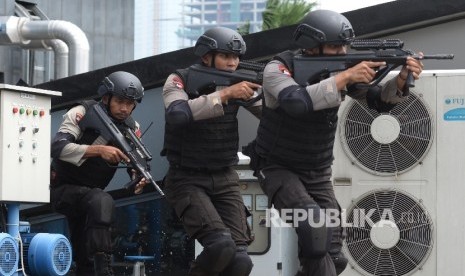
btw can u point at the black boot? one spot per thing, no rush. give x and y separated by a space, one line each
240 265
102 264
316 267
197 270
340 262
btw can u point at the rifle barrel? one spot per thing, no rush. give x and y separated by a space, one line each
439 56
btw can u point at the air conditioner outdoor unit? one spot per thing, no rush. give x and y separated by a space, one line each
400 177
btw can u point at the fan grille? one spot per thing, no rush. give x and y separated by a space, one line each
407 148
61 256
8 255
413 223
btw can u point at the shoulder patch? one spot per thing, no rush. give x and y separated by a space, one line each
284 69
178 82
138 133
78 117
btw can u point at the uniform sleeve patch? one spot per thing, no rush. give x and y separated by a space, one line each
78 117
178 82
138 133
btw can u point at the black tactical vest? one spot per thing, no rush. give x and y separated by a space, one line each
95 171
204 144
301 143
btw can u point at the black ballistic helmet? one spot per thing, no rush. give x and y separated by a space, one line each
122 84
220 39
323 27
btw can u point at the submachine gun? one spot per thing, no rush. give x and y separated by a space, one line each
202 78
310 69
96 118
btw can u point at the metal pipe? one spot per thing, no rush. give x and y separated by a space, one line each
49 33
61 51
13 219
72 35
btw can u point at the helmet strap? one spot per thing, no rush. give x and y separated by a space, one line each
212 62
107 105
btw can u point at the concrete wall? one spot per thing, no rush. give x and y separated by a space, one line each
438 39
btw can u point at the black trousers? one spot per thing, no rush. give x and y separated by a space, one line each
208 202
88 211
288 189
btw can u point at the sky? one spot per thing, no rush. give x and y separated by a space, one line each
347 5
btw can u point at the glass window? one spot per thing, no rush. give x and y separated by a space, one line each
246 16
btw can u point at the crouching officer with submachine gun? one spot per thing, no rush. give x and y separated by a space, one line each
201 144
85 159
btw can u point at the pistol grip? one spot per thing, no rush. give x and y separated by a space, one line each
131 184
410 82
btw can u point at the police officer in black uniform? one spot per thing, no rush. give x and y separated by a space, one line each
295 137
83 165
201 143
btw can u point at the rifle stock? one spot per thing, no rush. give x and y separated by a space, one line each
96 118
311 69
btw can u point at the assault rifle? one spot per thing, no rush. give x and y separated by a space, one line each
96 118
202 78
310 69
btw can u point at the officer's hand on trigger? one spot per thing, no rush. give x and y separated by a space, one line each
363 72
243 90
112 155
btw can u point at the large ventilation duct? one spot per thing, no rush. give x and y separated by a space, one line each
22 31
60 50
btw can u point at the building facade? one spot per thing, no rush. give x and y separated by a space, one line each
199 16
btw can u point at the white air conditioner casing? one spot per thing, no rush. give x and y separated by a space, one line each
411 160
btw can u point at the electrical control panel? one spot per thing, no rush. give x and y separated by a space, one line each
25 135
256 202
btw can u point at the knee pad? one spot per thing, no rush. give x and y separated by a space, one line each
340 262
100 206
218 251
314 241
241 264
338 258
